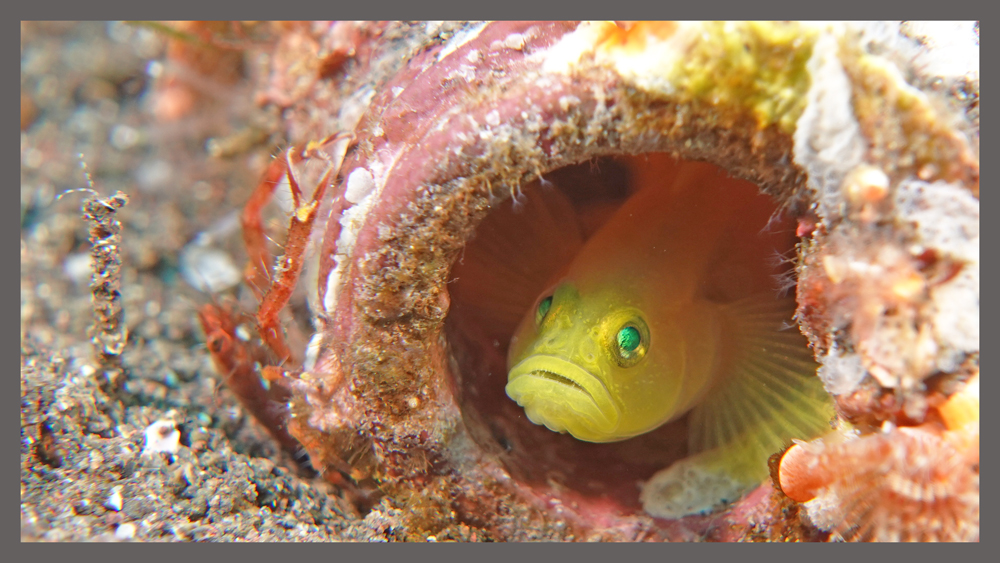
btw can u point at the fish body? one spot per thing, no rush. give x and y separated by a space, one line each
669 309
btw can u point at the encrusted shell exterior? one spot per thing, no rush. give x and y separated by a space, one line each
857 128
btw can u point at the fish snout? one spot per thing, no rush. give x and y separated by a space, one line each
564 397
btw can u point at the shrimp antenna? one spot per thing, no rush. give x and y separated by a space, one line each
86 176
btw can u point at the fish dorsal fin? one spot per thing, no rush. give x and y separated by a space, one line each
769 395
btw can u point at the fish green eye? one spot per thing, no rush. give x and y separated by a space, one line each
543 309
628 339
629 343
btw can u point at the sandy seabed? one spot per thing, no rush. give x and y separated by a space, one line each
85 89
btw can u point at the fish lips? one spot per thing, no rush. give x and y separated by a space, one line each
563 397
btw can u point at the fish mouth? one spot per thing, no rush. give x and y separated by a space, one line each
564 397
553 376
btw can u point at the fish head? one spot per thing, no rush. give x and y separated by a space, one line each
594 365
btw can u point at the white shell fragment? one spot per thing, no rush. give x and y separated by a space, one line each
208 269
161 436
115 501
359 185
125 531
77 267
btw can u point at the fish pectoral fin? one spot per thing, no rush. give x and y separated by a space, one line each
770 393
697 484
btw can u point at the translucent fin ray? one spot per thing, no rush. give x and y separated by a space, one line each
542 229
770 394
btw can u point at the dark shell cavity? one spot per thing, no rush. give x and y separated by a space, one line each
495 281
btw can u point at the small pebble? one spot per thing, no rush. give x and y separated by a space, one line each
125 531
170 379
78 268
115 501
209 269
161 436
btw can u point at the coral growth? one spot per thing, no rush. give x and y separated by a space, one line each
902 484
449 120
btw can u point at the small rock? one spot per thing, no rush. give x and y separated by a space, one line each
115 501
78 268
209 269
125 531
161 436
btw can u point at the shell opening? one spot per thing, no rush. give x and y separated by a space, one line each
495 282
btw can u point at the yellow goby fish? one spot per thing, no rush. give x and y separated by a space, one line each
671 308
